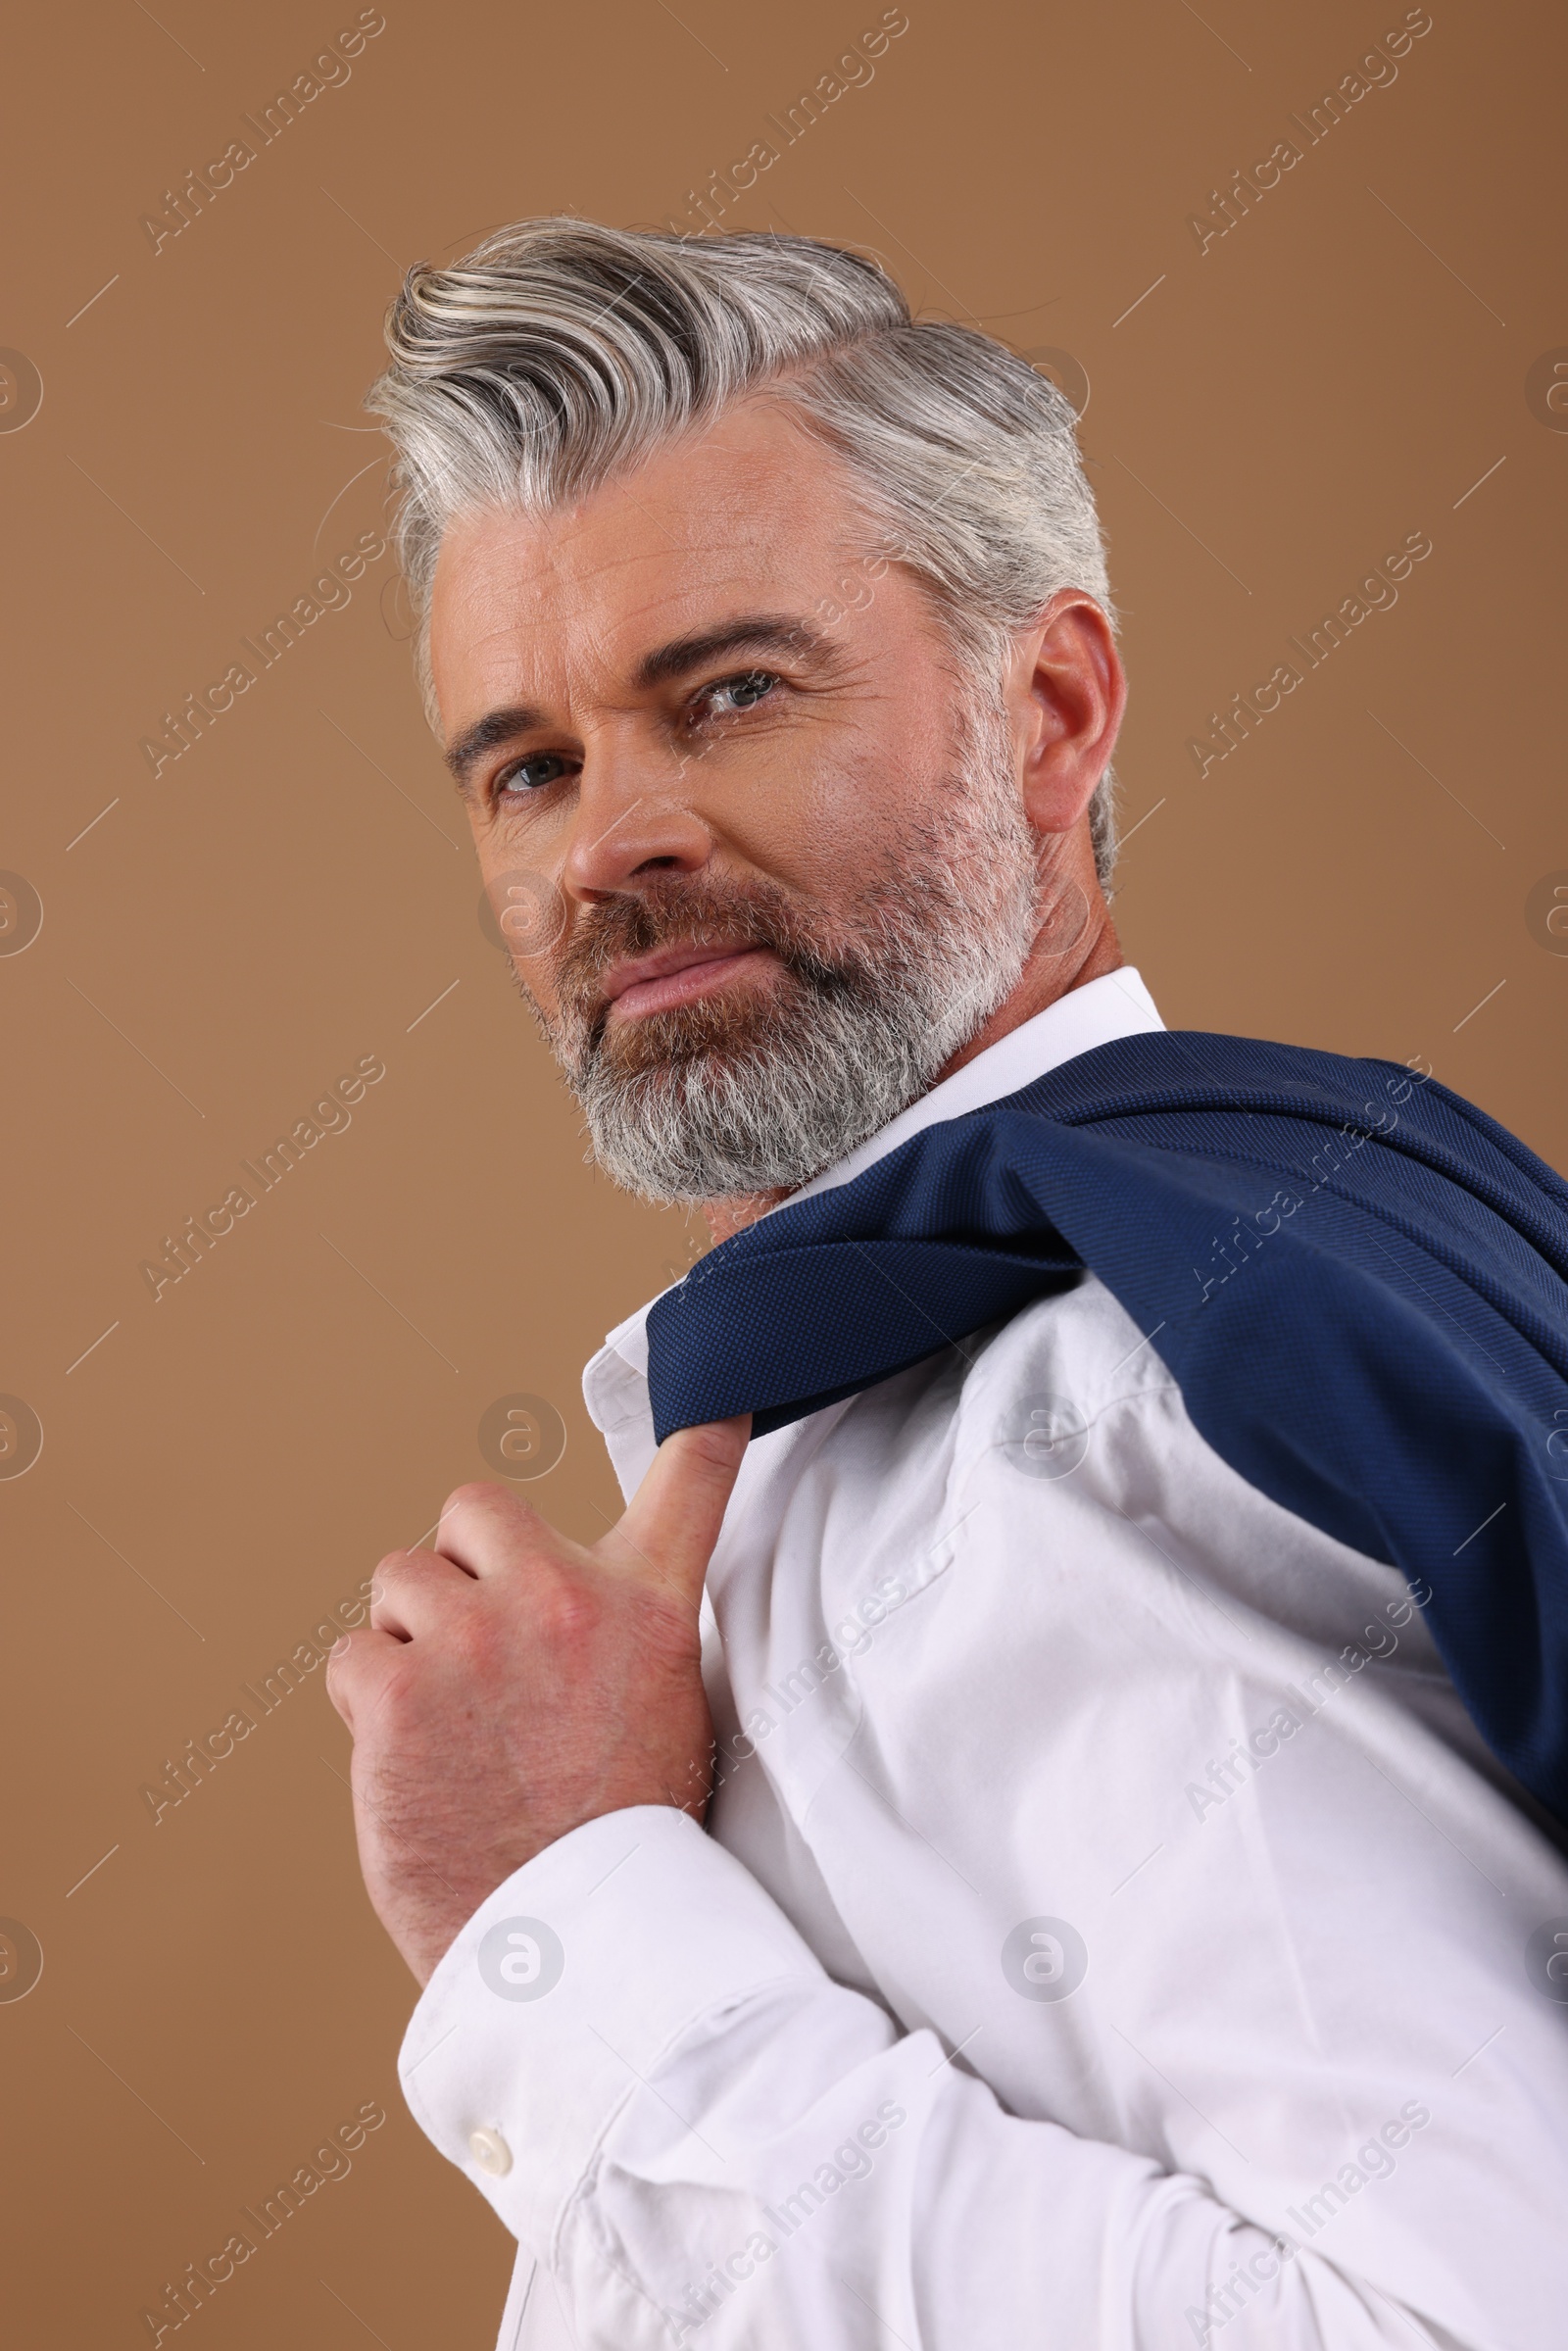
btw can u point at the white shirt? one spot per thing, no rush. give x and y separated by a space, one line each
1109 1932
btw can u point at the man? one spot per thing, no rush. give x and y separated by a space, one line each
1054 1840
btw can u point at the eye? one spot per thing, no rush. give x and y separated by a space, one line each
742 692
528 775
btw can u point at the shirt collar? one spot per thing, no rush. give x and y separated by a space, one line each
614 1384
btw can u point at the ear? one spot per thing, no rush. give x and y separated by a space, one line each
1066 691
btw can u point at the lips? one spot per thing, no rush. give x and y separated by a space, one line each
676 975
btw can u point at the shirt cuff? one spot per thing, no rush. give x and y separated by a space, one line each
566 1990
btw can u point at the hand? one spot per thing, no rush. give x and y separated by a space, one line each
511 1685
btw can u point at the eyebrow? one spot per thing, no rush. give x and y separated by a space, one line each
752 632
488 734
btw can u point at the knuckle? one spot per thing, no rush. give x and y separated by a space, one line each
398 1698
386 1572
475 1490
463 1494
487 1497
567 1613
344 1676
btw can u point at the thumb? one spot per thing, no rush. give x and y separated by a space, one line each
672 1520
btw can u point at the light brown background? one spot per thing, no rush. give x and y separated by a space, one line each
1274 416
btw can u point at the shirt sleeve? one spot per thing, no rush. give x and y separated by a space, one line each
699 2135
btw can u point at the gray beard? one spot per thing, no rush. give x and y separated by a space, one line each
710 1102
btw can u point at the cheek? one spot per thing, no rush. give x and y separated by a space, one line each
538 976
527 909
820 806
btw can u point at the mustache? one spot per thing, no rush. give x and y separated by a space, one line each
673 907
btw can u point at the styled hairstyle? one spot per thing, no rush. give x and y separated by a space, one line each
560 352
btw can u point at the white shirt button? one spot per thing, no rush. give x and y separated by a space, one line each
490 2152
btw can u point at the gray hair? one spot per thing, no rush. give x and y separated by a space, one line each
560 352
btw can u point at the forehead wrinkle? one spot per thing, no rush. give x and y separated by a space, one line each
573 606
558 557
766 506
736 590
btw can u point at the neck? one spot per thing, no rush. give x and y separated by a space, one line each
1049 974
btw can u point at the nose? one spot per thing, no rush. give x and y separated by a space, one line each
634 816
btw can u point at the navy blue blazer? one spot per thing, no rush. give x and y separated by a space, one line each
1357 1279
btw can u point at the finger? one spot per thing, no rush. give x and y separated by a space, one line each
671 1523
414 1592
485 1528
354 1667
